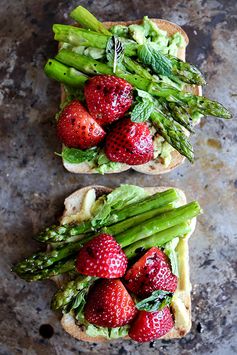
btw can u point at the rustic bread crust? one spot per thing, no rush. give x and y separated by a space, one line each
152 167
181 305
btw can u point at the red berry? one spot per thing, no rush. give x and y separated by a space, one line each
150 273
109 304
77 129
102 257
129 142
107 98
148 326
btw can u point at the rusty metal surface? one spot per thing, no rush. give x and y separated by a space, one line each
34 184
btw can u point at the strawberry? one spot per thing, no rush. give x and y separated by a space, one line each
77 129
102 257
109 304
150 273
107 98
148 326
129 142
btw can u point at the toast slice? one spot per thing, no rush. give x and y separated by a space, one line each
152 167
181 304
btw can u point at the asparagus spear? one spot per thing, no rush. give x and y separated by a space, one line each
155 225
60 72
181 116
135 67
186 71
62 233
198 103
75 290
43 260
79 36
57 269
87 20
157 239
120 227
172 133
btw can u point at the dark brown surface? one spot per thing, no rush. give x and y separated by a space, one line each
34 183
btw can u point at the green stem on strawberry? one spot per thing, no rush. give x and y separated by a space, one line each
64 232
87 20
155 225
157 239
60 72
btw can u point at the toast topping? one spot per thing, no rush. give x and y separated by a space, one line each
102 257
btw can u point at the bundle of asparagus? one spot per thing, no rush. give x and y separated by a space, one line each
153 221
144 66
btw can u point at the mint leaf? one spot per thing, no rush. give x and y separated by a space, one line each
156 302
150 55
114 52
144 106
142 110
77 156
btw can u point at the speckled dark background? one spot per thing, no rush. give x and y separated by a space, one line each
33 183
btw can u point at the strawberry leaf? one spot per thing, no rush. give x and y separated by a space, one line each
150 55
156 302
114 52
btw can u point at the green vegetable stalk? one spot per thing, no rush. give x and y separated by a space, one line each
155 225
172 132
63 232
56 269
87 20
157 239
60 72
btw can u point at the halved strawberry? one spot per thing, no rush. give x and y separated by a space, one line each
148 326
150 273
109 304
107 98
102 257
77 129
129 142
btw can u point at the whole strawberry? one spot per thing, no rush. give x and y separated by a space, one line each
107 98
129 142
109 304
150 273
148 326
77 129
102 257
